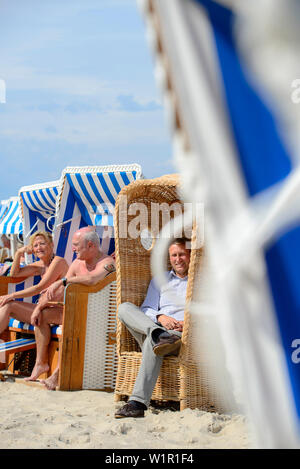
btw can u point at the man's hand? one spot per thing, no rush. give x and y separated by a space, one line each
55 290
179 326
170 323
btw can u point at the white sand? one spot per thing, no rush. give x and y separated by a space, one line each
32 417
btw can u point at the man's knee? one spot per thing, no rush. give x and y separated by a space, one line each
123 310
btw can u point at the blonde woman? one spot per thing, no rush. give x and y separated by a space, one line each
49 267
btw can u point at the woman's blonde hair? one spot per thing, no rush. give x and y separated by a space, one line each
45 234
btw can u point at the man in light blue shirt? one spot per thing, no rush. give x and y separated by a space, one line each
157 327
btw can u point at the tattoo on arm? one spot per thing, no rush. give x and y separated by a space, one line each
109 268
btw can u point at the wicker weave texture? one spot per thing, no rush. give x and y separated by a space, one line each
185 378
100 361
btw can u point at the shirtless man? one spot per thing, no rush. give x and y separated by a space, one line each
90 266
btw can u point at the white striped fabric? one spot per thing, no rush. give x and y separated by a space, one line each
17 345
38 203
3 207
29 282
11 221
20 325
87 197
15 324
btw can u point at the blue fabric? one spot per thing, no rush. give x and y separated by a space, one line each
21 325
64 236
264 161
11 214
15 343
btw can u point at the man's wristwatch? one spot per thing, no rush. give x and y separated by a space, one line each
64 281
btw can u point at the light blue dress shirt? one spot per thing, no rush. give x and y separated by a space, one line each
169 299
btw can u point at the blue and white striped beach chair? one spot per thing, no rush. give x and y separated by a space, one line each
87 197
38 206
11 224
3 207
10 220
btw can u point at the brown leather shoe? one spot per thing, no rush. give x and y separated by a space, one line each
129 410
167 345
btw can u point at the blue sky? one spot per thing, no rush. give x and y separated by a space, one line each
80 90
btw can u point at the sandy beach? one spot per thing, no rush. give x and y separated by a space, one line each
34 418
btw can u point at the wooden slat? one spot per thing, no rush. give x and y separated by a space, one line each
4 281
73 339
9 359
66 343
53 355
19 348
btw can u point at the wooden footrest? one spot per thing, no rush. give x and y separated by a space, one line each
19 345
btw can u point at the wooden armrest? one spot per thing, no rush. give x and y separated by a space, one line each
56 303
4 281
80 288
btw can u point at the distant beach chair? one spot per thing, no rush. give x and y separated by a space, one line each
87 197
10 219
30 212
185 378
3 207
38 209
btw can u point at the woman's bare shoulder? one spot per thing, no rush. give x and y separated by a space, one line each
59 263
35 265
59 260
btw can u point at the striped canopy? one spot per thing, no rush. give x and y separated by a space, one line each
38 203
3 207
10 220
87 197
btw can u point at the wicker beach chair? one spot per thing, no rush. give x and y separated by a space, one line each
184 378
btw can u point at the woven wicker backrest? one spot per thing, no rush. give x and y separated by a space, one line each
194 384
133 260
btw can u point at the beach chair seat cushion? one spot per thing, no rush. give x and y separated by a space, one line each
25 327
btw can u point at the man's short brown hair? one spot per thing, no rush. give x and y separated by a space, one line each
185 241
